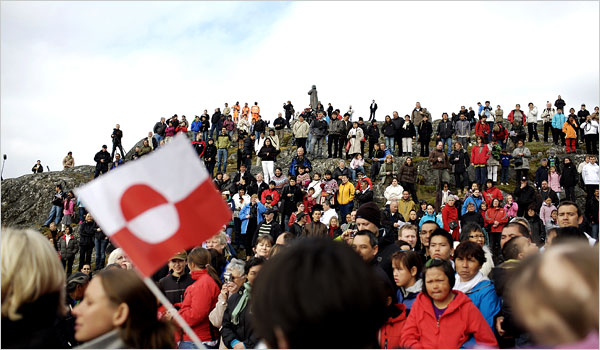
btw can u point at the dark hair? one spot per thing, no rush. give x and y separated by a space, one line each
446 268
408 259
443 233
468 249
142 329
254 261
335 298
467 229
511 249
568 234
372 238
565 203
201 257
288 237
401 243
524 231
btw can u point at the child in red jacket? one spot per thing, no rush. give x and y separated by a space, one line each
390 333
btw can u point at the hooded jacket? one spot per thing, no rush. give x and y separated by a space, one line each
490 193
391 332
461 320
480 154
200 298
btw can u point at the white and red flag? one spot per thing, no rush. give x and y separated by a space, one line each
157 205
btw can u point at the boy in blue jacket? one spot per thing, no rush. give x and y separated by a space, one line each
505 158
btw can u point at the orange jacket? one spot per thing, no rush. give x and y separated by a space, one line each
568 129
245 111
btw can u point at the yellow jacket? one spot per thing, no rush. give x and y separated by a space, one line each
345 193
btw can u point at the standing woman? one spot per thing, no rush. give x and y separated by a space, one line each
521 155
68 208
355 135
461 161
480 153
251 216
495 219
442 317
210 155
267 155
389 132
570 128
590 130
569 178
388 170
408 178
450 217
68 246
87 235
408 133
200 298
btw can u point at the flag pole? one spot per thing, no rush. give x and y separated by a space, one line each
172 311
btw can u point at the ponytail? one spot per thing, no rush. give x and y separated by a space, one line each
213 274
201 257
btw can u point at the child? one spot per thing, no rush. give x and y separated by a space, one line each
546 211
553 160
407 272
505 158
554 180
303 178
357 164
309 200
510 207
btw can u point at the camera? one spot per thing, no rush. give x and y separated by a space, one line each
227 277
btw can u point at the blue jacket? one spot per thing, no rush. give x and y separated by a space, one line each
471 199
558 120
484 296
245 211
505 160
196 124
433 217
294 164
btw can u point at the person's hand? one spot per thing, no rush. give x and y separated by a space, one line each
247 216
523 185
396 224
439 159
289 194
521 154
499 321
239 346
347 236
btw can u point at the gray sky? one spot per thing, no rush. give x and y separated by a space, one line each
71 70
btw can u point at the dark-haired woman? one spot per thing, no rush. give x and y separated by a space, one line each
238 331
442 317
200 298
569 178
408 177
119 311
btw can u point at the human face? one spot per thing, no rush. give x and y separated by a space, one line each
300 208
440 248
178 266
437 284
263 248
477 237
476 193
317 215
123 260
467 268
451 201
277 172
405 195
430 210
439 146
252 273
426 231
403 276
362 224
215 243
410 237
507 234
362 246
567 216
86 269
395 182
412 215
94 316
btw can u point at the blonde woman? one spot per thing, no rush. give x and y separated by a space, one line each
33 290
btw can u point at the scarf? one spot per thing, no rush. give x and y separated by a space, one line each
241 305
415 288
466 287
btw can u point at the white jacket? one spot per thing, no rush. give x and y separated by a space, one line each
547 114
237 201
317 186
590 128
393 192
532 115
591 174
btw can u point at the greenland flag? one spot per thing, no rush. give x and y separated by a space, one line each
157 205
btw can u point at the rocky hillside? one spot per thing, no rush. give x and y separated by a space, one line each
26 200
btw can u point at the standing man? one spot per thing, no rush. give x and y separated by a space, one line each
591 176
329 110
582 116
532 122
318 129
102 158
116 136
439 162
547 115
300 131
372 108
159 130
336 128
289 112
560 103
223 143
463 130
444 132
279 123
38 167
255 111
56 212
345 197
417 116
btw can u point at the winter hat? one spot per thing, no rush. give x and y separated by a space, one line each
370 212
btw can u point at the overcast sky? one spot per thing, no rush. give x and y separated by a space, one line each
71 70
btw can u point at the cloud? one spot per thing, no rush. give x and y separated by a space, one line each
71 70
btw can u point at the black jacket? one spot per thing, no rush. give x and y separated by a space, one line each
174 287
388 220
260 125
279 123
408 130
248 147
215 118
372 134
337 173
445 129
117 135
244 330
365 197
425 131
289 202
525 196
159 128
87 233
591 211
268 153
102 155
538 230
569 176
398 122
463 162
255 188
388 129
474 217
210 153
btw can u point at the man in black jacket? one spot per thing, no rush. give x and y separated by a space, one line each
159 130
258 186
244 174
445 130
174 284
279 124
373 136
525 195
425 132
398 123
268 226
372 109
116 136
248 150
290 195
102 158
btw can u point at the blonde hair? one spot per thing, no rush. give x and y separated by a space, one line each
30 270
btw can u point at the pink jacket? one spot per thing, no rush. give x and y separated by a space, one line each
511 210
554 181
69 206
546 212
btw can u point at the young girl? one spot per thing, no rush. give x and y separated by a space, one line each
422 210
554 180
357 164
412 218
388 170
444 318
546 211
407 276
303 178
510 207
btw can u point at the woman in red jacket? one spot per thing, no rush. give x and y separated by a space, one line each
449 215
495 219
200 298
442 318
482 128
480 153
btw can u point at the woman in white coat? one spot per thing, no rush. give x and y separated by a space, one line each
355 135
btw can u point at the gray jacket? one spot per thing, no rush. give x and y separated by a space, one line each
110 340
463 128
337 127
526 155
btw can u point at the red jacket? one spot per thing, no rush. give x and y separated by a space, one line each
490 193
270 192
450 213
510 116
482 129
480 155
460 320
501 135
391 331
199 299
495 214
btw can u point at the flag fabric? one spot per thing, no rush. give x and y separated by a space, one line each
157 205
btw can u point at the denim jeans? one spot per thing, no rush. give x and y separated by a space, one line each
504 175
594 231
158 138
491 124
100 245
448 142
82 213
212 130
345 209
194 133
389 143
56 213
222 159
354 171
316 146
205 136
481 174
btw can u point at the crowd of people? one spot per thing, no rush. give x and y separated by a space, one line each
447 273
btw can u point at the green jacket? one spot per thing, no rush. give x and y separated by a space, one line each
223 141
